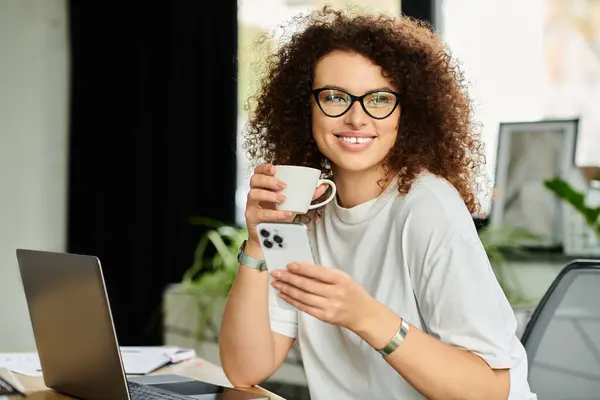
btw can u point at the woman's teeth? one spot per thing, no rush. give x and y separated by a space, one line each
356 140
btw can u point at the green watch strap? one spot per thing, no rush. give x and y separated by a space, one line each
250 261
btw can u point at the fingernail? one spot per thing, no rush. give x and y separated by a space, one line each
275 284
287 213
293 267
281 184
280 197
276 274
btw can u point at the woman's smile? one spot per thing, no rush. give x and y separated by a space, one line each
355 141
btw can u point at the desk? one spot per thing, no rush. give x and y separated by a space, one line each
197 368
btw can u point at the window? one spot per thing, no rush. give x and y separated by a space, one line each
256 17
528 60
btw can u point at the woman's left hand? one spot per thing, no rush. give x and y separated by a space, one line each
328 294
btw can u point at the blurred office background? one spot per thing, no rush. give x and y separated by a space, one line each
120 124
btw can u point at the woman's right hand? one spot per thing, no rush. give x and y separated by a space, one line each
265 192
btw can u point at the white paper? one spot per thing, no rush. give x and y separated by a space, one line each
21 363
142 360
136 360
175 354
143 363
9 377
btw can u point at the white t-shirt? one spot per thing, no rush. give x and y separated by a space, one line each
420 255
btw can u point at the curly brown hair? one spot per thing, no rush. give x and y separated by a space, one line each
436 131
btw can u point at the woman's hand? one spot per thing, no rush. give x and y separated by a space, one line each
264 194
328 294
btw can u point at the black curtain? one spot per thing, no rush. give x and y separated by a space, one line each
420 9
152 143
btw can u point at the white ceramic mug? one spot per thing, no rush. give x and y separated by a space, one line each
301 184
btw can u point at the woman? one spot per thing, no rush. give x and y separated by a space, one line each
403 303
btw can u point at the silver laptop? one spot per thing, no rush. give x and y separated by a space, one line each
76 340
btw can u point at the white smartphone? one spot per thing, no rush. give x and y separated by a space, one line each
284 243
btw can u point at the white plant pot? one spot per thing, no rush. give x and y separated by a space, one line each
180 323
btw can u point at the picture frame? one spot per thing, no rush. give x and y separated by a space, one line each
529 153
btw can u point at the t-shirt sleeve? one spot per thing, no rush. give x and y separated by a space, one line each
458 295
283 321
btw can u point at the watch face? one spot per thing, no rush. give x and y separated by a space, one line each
263 266
241 249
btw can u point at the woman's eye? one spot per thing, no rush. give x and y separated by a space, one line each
379 100
334 98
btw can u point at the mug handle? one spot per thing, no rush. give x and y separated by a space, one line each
331 196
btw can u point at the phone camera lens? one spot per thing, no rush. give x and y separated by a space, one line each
268 244
264 233
278 239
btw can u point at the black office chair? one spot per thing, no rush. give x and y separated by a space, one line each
562 337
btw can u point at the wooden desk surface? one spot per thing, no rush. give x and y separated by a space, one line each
197 368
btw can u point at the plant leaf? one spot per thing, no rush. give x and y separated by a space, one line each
223 252
199 263
563 190
210 278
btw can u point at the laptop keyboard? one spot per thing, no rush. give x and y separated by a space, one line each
145 392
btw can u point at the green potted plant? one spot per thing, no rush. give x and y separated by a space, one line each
213 270
498 244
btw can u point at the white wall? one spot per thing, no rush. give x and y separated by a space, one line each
33 148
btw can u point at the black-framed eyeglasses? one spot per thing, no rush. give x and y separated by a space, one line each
378 104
